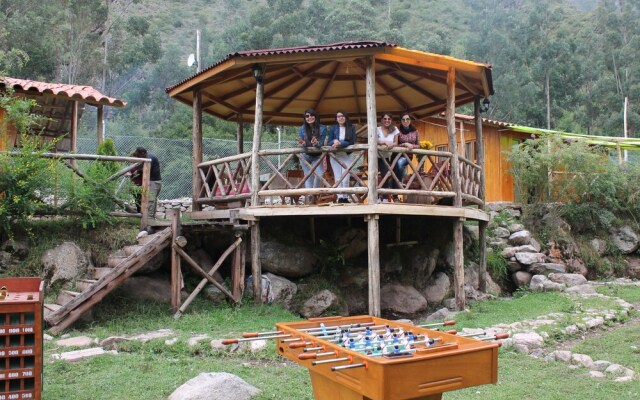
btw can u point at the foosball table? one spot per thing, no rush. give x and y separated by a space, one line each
369 358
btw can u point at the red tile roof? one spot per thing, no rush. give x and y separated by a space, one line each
87 94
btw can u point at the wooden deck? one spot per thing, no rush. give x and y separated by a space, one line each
334 209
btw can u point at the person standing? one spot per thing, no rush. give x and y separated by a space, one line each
387 138
407 138
155 180
342 134
312 135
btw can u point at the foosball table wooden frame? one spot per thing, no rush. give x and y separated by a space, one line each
443 363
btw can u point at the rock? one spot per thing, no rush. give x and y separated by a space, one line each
437 288
600 365
111 342
353 240
214 294
401 299
582 290
78 341
625 239
319 303
600 246
442 314
531 340
509 252
64 263
287 260
582 360
501 232
78 355
568 279
154 288
194 341
563 355
545 268
17 248
596 374
530 258
513 228
282 290
541 283
214 386
521 278
423 263
520 238
160 333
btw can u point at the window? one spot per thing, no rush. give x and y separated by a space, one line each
441 147
471 151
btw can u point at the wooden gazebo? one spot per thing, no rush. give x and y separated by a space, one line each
365 78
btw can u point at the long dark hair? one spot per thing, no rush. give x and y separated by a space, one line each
347 121
409 128
311 130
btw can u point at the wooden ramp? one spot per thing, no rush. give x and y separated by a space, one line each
73 304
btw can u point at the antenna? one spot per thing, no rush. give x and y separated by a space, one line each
191 60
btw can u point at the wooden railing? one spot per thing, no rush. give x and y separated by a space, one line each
427 176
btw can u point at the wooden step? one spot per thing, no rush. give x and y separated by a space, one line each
97 273
66 296
83 284
146 239
129 250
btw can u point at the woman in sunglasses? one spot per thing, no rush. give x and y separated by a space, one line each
407 138
342 134
312 135
387 137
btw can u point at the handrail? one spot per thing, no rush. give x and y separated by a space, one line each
427 176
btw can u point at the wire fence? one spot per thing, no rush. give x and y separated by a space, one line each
175 156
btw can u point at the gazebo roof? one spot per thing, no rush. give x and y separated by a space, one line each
330 78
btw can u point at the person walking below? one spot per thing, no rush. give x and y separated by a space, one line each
155 180
342 134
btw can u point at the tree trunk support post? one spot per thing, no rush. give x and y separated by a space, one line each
482 226
256 268
372 136
373 242
100 123
240 133
144 198
176 271
197 149
73 146
455 181
237 273
257 134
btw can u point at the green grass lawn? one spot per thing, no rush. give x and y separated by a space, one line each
153 370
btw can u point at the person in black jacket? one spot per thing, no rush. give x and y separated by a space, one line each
342 134
155 180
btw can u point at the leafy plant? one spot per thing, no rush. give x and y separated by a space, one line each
497 266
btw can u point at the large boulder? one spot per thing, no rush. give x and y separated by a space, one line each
352 240
148 287
568 279
282 290
401 300
520 238
64 263
214 386
625 239
437 288
319 303
286 260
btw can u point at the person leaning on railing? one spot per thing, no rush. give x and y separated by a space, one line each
387 137
155 181
312 135
407 138
342 134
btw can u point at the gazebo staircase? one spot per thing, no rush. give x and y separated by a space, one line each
71 305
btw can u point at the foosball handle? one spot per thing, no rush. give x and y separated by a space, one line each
451 332
448 323
229 341
502 335
250 334
297 345
307 356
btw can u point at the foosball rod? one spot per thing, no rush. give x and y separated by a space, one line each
350 366
444 323
308 330
237 340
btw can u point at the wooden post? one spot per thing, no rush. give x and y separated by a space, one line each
482 226
256 268
144 199
257 137
176 271
372 136
240 134
373 240
197 149
455 181
100 123
237 273
73 146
